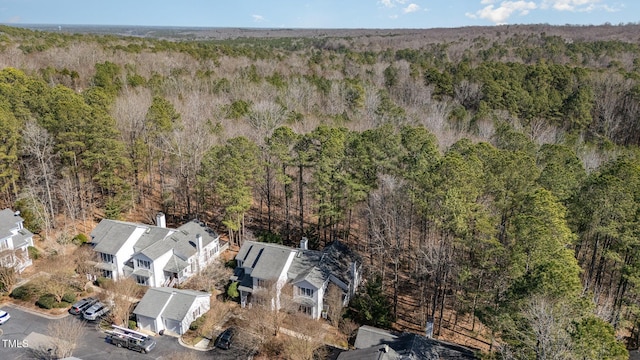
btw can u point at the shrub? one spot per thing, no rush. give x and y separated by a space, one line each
102 281
89 289
231 264
69 298
61 305
133 324
34 253
46 301
24 292
80 239
197 323
232 291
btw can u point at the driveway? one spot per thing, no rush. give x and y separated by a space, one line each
93 345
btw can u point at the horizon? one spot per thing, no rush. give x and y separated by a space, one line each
320 14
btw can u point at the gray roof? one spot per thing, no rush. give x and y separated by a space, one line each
382 352
9 221
182 241
411 346
337 259
110 235
369 336
267 260
177 302
152 302
151 236
175 265
21 238
302 263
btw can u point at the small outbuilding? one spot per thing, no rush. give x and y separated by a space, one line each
169 310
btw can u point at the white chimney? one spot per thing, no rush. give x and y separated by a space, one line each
304 243
199 243
161 220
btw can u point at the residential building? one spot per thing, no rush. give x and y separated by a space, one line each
308 272
154 255
374 343
14 241
170 310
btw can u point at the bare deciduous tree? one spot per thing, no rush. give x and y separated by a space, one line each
123 293
335 304
7 277
305 337
65 334
213 277
39 145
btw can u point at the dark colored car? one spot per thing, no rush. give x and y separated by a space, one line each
82 305
224 340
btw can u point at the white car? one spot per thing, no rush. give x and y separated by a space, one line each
4 316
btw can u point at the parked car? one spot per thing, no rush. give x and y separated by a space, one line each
81 305
4 316
95 311
225 339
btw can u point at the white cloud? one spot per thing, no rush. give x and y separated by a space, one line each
392 3
501 13
387 3
576 5
411 8
258 18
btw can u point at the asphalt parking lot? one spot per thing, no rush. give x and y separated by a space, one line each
23 326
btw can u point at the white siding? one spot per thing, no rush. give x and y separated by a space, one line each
126 251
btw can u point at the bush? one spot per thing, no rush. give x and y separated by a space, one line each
232 291
197 323
89 289
80 239
232 264
133 324
34 253
46 301
24 292
102 281
61 305
69 298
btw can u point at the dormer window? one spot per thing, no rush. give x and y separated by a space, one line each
144 264
305 292
108 258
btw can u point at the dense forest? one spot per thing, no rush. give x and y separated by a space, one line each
490 178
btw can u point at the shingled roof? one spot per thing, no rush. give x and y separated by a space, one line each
409 346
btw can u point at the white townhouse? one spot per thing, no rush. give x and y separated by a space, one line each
154 255
14 241
309 272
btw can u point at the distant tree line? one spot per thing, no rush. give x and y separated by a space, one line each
497 184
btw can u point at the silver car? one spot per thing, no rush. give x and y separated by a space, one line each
95 311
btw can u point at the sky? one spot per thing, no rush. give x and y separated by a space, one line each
368 14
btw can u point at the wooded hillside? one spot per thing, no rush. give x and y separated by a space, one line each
489 176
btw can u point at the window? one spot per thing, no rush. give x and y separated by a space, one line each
108 258
142 280
260 283
107 273
307 310
144 264
196 312
305 292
